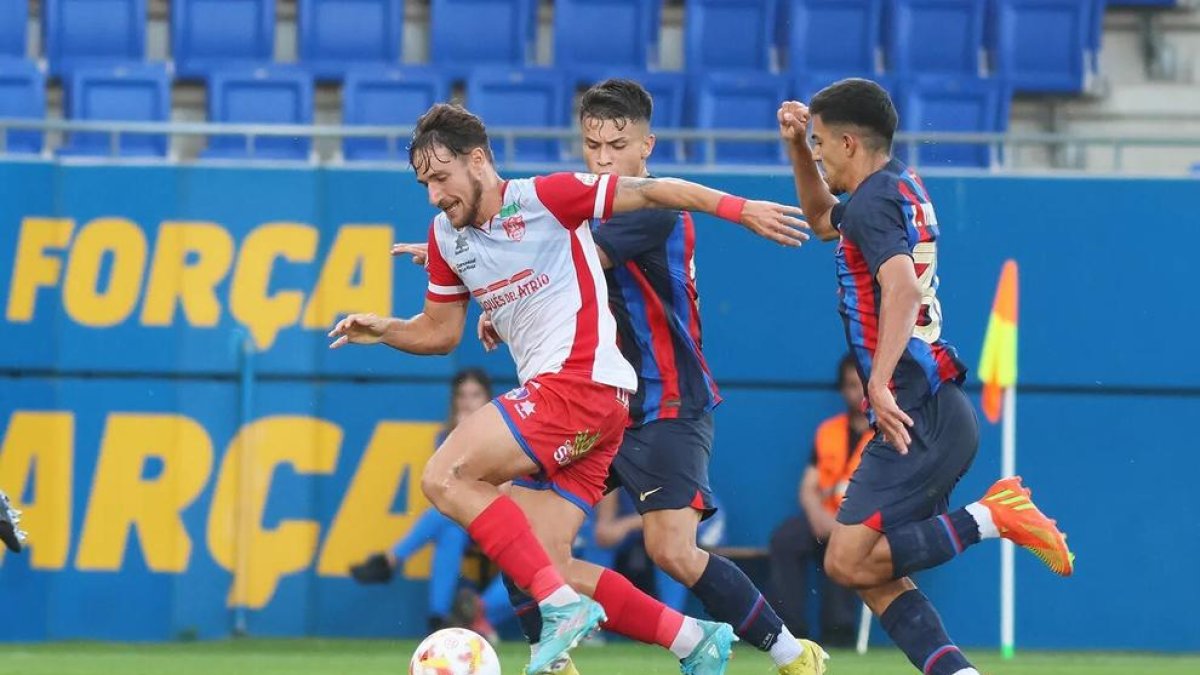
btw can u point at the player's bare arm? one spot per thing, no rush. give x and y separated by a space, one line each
900 301
437 330
814 195
780 223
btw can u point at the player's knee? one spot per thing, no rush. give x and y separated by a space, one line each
677 556
437 483
842 569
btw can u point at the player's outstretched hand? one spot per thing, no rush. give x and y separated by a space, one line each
360 329
487 333
419 252
793 123
777 222
891 421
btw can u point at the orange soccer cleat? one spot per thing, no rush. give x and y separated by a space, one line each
1018 519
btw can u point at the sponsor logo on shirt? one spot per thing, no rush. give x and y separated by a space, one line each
577 447
519 394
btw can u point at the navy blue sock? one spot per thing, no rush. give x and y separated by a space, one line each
916 628
527 611
929 543
729 596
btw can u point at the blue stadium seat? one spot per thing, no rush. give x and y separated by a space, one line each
22 96
669 90
729 34
93 33
386 97
966 105
740 101
263 96
336 35
513 97
935 37
208 35
464 34
630 34
14 20
833 36
134 93
1041 45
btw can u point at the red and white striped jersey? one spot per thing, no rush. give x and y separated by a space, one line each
534 268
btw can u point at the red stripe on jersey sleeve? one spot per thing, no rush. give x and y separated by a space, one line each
440 273
573 197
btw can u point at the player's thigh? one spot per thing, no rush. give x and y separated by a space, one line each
481 447
889 490
663 465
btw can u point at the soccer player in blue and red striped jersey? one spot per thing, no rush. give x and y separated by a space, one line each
649 261
894 519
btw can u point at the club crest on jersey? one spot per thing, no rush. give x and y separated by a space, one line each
577 447
588 179
514 227
460 243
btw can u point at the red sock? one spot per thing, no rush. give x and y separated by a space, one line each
504 534
634 614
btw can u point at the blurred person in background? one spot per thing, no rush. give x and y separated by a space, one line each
10 518
470 390
799 542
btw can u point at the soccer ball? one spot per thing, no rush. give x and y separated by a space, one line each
454 651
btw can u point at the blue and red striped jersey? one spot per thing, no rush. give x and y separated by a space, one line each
652 293
891 214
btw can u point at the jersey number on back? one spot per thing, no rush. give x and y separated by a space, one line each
929 318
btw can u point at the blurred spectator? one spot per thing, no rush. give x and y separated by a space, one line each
799 542
471 389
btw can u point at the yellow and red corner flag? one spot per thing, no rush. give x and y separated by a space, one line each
998 364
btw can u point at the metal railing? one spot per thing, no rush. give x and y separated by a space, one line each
702 144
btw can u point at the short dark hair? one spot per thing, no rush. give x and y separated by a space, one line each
618 100
860 103
452 127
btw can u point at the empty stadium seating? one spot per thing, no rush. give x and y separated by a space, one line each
935 37
966 104
215 34
261 96
464 34
1041 45
22 96
520 98
336 35
389 97
832 36
93 33
14 20
630 29
129 93
729 34
740 101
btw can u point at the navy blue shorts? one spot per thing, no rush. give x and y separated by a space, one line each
663 465
889 489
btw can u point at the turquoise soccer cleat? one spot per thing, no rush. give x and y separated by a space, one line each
563 627
711 655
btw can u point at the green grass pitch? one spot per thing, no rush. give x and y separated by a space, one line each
378 657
